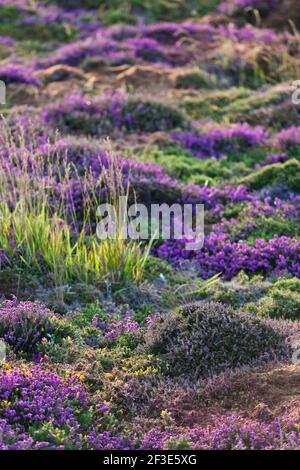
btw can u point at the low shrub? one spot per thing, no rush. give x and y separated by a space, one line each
228 432
278 173
24 326
282 301
183 166
205 338
101 117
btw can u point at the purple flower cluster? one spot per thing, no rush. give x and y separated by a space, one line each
220 254
38 14
74 53
221 141
13 438
110 113
115 328
287 139
34 396
24 324
231 432
277 207
163 42
248 33
6 41
107 441
18 74
275 158
40 409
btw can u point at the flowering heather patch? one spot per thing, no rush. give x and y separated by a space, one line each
109 113
120 343
146 44
192 340
74 53
24 325
229 433
32 397
107 441
220 254
287 139
248 33
221 141
48 20
18 74
13 438
6 41
37 395
275 158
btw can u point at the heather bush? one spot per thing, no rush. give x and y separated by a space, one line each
202 339
237 433
277 256
32 396
287 139
23 22
102 117
228 432
151 340
221 141
24 326
18 74
12 439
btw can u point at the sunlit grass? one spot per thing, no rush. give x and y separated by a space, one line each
42 237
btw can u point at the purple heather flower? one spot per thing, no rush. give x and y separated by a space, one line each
220 141
18 74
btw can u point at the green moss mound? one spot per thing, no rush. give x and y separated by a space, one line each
278 173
